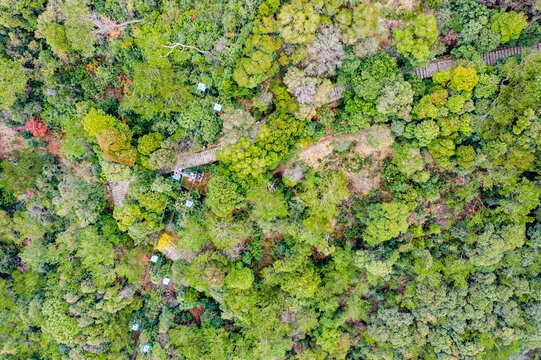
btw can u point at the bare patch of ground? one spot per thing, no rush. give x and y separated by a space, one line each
53 146
399 4
144 281
442 214
9 140
268 256
373 144
246 104
320 150
372 147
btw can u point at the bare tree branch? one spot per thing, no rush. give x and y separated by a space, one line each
114 26
172 47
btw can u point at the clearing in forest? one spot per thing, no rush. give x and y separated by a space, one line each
9 140
360 156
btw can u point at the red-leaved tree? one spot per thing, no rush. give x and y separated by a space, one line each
37 127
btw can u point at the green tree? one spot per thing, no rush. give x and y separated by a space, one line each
298 21
385 221
426 131
416 38
463 79
95 121
375 265
115 171
126 215
162 159
425 108
153 202
12 83
490 246
157 89
113 137
240 278
487 86
79 199
322 195
248 159
442 150
21 14
465 156
238 124
67 27
358 23
508 24
223 195
268 204
396 100
194 235
259 63
149 142
408 158
116 145
55 36
58 326
20 176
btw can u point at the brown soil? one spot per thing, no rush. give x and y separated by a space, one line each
369 177
442 214
53 146
108 197
267 258
245 103
317 151
398 4
10 140
144 260
196 313
201 186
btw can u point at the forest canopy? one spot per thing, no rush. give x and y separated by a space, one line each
270 179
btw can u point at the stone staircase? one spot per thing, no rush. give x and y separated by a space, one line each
336 93
172 253
490 59
193 160
119 191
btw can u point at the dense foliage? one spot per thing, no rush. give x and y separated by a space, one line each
355 210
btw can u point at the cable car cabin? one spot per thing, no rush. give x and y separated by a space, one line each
201 87
189 203
154 258
177 175
166 281
194 175
191 175
217 107
146 348
135 327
